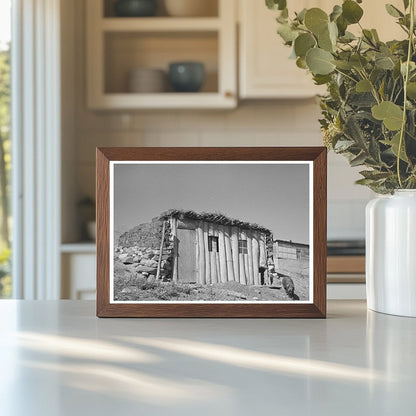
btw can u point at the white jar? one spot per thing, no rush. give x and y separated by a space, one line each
391 253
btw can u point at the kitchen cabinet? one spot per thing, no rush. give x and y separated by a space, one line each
118 45
78 263
265 70
264 65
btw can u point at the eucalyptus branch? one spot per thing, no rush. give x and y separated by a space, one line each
406 80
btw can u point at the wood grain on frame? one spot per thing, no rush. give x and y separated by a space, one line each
317 309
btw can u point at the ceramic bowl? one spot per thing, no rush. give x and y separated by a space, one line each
135 8
186 76
191 8
147 80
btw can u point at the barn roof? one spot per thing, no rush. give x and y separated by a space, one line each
216 218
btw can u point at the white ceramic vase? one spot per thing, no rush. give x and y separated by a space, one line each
391 253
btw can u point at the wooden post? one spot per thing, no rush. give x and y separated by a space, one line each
250 258
241 268
222 254
213 259
159 262
217 255
234 250
256 254
243 237
263 255
175 249
201 254
263 258
207 255
229 254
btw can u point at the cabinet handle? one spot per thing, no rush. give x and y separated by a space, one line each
229 94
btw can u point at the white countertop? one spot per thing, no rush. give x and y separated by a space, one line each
57 358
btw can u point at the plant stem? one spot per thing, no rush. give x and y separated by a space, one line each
406 80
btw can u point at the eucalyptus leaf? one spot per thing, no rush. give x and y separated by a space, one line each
287 33
303 43
351 11
301 63
393 11
336 12
358 160
395 144
316 20
345 65
325 42
391 114
276 4
363 86
385 62
358 61
301 15
320 61
411 90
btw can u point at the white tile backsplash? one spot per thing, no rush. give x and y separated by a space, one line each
258 123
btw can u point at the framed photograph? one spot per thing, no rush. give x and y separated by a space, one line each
211 232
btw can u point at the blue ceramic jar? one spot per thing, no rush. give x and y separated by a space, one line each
186 76
135 8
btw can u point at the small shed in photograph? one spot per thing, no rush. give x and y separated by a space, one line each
284 249
212 248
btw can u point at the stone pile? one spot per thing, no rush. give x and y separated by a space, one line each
142 252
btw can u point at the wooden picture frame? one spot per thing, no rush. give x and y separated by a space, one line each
313 307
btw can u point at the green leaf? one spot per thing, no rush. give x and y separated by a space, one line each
352 12
303 43
325 42
276 4
301 63
358 160
344 65
391 114
321 79
358 61
406 4
393 11
301 15
320 61
316 20
336 12
287 33
384 62
394 145
363 86
411 90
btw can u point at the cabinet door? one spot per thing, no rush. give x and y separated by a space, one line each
265 68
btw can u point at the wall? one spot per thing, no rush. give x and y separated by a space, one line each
256 123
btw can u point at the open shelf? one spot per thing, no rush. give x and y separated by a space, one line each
119 45
160 24
210 7
127 51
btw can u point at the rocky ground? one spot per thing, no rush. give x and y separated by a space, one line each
129 285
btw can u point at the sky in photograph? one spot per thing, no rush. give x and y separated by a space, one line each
275 196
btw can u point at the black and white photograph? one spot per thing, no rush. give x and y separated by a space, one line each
211 232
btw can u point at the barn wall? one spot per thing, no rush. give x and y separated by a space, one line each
228 264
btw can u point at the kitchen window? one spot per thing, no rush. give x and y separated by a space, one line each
5 148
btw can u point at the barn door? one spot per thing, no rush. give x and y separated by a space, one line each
186 255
